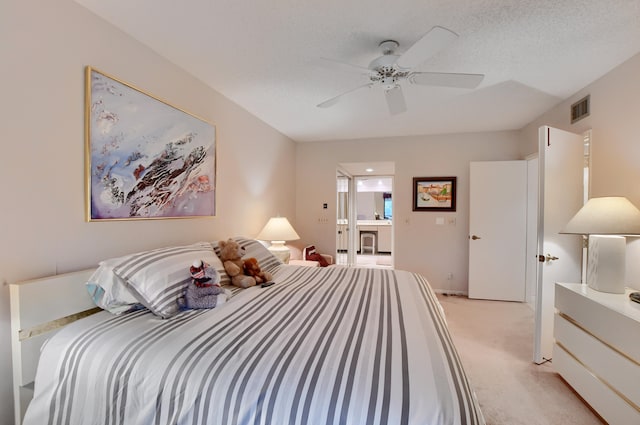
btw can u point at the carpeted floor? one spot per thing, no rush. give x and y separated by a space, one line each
495 341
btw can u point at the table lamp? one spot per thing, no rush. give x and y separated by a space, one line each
606 221
277 231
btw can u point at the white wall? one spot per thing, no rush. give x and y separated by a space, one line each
45 47
420 245
615 148
615 145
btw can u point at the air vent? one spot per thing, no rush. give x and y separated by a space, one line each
580 109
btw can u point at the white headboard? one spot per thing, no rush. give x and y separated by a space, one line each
39 308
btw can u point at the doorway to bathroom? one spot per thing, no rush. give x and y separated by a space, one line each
365 215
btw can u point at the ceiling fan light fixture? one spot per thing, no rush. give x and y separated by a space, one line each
390 69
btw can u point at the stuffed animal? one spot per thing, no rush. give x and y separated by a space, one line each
231 254
252 268
312 255
204 290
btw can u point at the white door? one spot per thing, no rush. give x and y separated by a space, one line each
560 196
497 230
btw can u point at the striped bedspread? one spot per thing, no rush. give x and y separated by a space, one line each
321 346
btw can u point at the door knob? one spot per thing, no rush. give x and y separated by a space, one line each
549 257
475 238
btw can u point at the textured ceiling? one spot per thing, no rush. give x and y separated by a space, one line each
267 57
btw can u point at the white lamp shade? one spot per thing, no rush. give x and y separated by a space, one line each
605 216
278 229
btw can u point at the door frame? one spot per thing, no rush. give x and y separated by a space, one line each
354 170
531 263
356 234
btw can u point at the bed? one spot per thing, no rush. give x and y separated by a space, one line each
329 345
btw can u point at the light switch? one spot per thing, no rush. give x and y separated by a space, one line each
439 221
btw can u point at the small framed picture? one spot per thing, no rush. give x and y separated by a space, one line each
434 193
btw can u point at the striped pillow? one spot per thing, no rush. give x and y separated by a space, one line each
157 278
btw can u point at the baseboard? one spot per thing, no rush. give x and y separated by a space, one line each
450 292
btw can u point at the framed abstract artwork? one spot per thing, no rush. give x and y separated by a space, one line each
434 193
144 158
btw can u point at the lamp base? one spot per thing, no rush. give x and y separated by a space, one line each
606 263
280 251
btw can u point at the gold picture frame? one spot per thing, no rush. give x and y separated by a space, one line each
144 158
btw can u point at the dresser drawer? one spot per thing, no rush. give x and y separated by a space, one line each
609 317
603 399
608 365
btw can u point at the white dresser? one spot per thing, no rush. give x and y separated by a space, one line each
597 349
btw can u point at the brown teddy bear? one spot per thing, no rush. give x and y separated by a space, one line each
231 256
252 268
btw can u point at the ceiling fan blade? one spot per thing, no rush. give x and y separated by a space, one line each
395 100
336 64
334 100
431 43
445 79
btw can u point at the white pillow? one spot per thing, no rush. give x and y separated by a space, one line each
108 291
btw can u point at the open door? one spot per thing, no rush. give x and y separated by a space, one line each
560 196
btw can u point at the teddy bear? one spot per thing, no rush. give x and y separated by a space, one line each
231 254
252 268
204 290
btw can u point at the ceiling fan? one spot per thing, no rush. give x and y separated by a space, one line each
390 69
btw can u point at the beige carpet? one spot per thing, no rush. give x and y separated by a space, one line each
495 341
